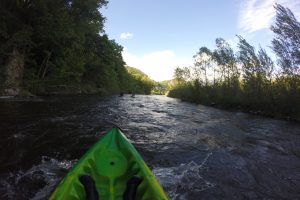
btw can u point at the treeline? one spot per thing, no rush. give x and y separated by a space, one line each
140 82
248 79
54 46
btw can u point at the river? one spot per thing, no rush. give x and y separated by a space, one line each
196 152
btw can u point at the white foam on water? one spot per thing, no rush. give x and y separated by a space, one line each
179 181
182 180
45 176
49 169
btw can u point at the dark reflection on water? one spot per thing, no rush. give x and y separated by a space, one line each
197 152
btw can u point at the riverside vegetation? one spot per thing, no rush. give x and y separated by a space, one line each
248 79
60 47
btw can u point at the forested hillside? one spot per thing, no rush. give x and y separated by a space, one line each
139 82
54 46
248 79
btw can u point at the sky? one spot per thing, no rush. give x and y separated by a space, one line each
160 35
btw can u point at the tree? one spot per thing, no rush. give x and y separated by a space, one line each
182 75
253 73
202 63
15 42
266 63
62 43
227 63
286 43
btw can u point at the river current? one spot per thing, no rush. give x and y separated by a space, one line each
196 152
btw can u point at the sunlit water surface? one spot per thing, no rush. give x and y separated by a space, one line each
196 152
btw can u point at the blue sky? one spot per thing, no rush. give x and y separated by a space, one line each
159 35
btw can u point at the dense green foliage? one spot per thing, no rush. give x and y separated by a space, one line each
138 81
63 46
248 79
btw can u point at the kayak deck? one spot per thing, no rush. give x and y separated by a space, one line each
111 163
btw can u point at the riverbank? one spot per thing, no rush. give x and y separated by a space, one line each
132 80
232 103
53 90
186 96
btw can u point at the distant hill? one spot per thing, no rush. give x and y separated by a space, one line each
135 71
140 82
160 88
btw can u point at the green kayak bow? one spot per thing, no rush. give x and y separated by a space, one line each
111 170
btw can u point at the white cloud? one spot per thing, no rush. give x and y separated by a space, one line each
159 65
126 35
257 14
